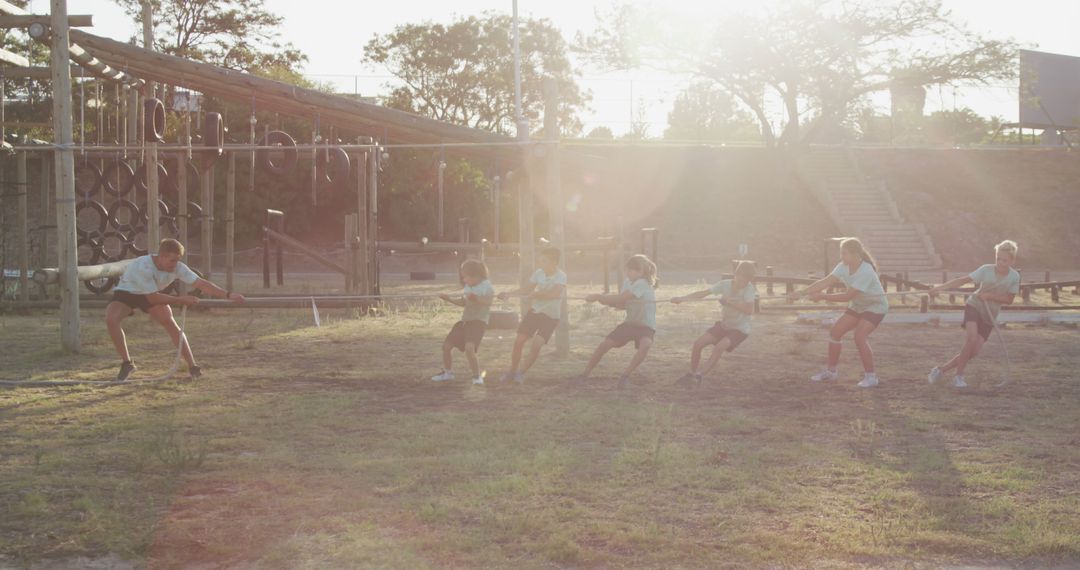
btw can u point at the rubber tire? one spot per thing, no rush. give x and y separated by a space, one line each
86 169
213 138
136 218
335 174
123 239
142 184
153 121
95 248
288 163
109 178
103 217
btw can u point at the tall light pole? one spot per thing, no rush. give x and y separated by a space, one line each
525 210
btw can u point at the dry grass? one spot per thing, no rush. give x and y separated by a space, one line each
328 447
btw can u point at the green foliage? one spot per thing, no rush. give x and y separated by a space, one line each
463 72
702 112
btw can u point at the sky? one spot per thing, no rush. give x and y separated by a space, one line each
333 32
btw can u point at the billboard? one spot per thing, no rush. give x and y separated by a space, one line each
1049 90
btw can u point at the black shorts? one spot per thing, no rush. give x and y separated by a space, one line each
466 332
720 332
625 333
868 316
537 324
973 315
133 300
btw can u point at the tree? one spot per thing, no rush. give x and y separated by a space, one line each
601 132
818 58
237 34
702 112
463 72
962 126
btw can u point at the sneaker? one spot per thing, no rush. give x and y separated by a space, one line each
958 382
478 381
507 376
869 380
443 376
824 375
519 377
126 368
195 372
934 375
686 380
697 379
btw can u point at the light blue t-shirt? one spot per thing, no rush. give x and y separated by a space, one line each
544 283
641 310
865 280
731 317
988 281
142 277
478 310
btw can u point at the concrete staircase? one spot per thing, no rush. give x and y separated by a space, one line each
866 210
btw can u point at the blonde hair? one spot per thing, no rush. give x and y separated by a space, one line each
474 268
853 245
1008 246
745 268
642 263
169 245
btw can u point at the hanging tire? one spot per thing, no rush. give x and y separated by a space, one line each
124 216
137 245
153 121
173 188
332 167
101 286
289 155
163 215
87 178
142 182
88 251
113 246
91 218
118 178
213 138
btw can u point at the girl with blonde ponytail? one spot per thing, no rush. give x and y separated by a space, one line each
638 298
867 306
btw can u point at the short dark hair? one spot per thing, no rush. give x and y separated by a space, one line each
552 252
474 268
170 245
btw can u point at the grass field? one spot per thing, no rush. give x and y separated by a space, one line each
329 447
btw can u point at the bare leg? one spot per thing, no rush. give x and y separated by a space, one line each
447 356
598 354
968 351
721 348
699 345
862 342
470 355
515 354
534 353
974 346
164 316
114 316
639 356
836 334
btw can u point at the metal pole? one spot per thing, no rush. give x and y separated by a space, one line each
439 196
64 163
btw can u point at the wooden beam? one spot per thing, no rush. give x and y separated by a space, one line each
13 58
33 72
51 275
24 20
67 242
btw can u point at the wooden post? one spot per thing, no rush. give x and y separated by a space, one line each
350 232
182 197
24 227
64 162
373 220
553 183
497 199
132 118
153 230
45 167
230 222
1054 294
1046 278
314 162
207 220
768 282
440 198
924 303
266 254
363 285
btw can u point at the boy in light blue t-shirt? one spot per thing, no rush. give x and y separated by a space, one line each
998 283
546 290
737 298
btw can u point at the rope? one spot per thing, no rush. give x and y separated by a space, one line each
56 383
1004 347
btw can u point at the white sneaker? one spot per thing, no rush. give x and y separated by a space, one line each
869 380
824 375
958 382
934 375
443 376
478 381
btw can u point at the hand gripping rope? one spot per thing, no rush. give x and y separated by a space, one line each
55 383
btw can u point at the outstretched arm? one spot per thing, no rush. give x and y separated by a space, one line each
215 291
951 284
815 287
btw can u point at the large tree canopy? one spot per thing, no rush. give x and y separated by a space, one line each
463 72
703 112
237 34
817 58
